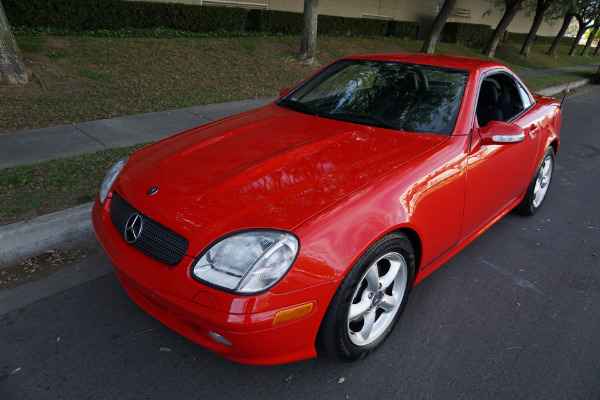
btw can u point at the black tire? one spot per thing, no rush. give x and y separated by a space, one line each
341 335
535 195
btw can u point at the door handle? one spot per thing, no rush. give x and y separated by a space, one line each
533 131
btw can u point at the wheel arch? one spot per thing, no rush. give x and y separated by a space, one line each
415 240
554 145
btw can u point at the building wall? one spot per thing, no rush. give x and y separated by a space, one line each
484 12
421 11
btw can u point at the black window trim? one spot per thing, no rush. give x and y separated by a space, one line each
502 71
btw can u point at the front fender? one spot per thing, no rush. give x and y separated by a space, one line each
425 195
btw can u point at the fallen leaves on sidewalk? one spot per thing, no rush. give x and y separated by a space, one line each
40 265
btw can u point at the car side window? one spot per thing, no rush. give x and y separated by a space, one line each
499 99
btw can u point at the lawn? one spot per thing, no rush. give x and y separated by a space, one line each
89 78
30 190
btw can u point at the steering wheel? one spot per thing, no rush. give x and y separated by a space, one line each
421 80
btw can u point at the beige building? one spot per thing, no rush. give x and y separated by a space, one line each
421 11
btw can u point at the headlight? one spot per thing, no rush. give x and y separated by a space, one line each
109 179
247 262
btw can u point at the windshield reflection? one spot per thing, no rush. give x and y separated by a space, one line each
393 95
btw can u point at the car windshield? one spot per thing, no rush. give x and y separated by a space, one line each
393 95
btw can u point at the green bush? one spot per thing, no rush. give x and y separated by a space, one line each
516 37
119 14
542 40
290 23
565 41
466 34
332 25
130 32
273 21
403 29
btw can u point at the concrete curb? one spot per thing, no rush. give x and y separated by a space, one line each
24 239
554 90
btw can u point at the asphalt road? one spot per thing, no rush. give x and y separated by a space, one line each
515 315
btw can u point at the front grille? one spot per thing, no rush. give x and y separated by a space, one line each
155 240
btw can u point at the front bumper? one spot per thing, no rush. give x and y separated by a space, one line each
169 294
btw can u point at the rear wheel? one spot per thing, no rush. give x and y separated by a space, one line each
538 188
369 301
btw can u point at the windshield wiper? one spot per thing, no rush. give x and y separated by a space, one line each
296 105
362 119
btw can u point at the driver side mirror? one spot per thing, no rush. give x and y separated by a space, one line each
500 132
284 92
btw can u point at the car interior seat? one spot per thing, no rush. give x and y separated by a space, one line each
487 104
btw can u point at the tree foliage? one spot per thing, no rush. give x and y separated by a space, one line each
591 37
586 12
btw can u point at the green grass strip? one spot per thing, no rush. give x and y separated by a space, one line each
30 190
557 79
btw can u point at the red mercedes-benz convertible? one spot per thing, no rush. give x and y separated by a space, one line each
300 227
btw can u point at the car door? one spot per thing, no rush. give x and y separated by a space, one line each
498 173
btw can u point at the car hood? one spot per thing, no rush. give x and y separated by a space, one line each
266 168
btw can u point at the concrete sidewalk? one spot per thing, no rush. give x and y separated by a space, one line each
26 147
27 238
536 73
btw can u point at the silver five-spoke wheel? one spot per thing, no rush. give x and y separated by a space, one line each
542 181
538 187
377 299
369 301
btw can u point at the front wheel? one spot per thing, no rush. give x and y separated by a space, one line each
369 301
538 188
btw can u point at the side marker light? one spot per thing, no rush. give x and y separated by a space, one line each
292 313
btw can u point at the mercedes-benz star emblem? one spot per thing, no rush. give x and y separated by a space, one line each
152 190
133 227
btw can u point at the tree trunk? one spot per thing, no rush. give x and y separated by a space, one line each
512 7
580 32
436 28
590 40
12 68
597 48
540 10
308 45
560 35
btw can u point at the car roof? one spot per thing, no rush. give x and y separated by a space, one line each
464 63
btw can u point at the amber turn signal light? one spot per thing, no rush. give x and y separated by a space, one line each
292 313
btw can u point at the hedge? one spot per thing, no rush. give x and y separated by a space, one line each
513 37
271 21
472 34
565 41
93 15
87 15
403 29
332 25
466 34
